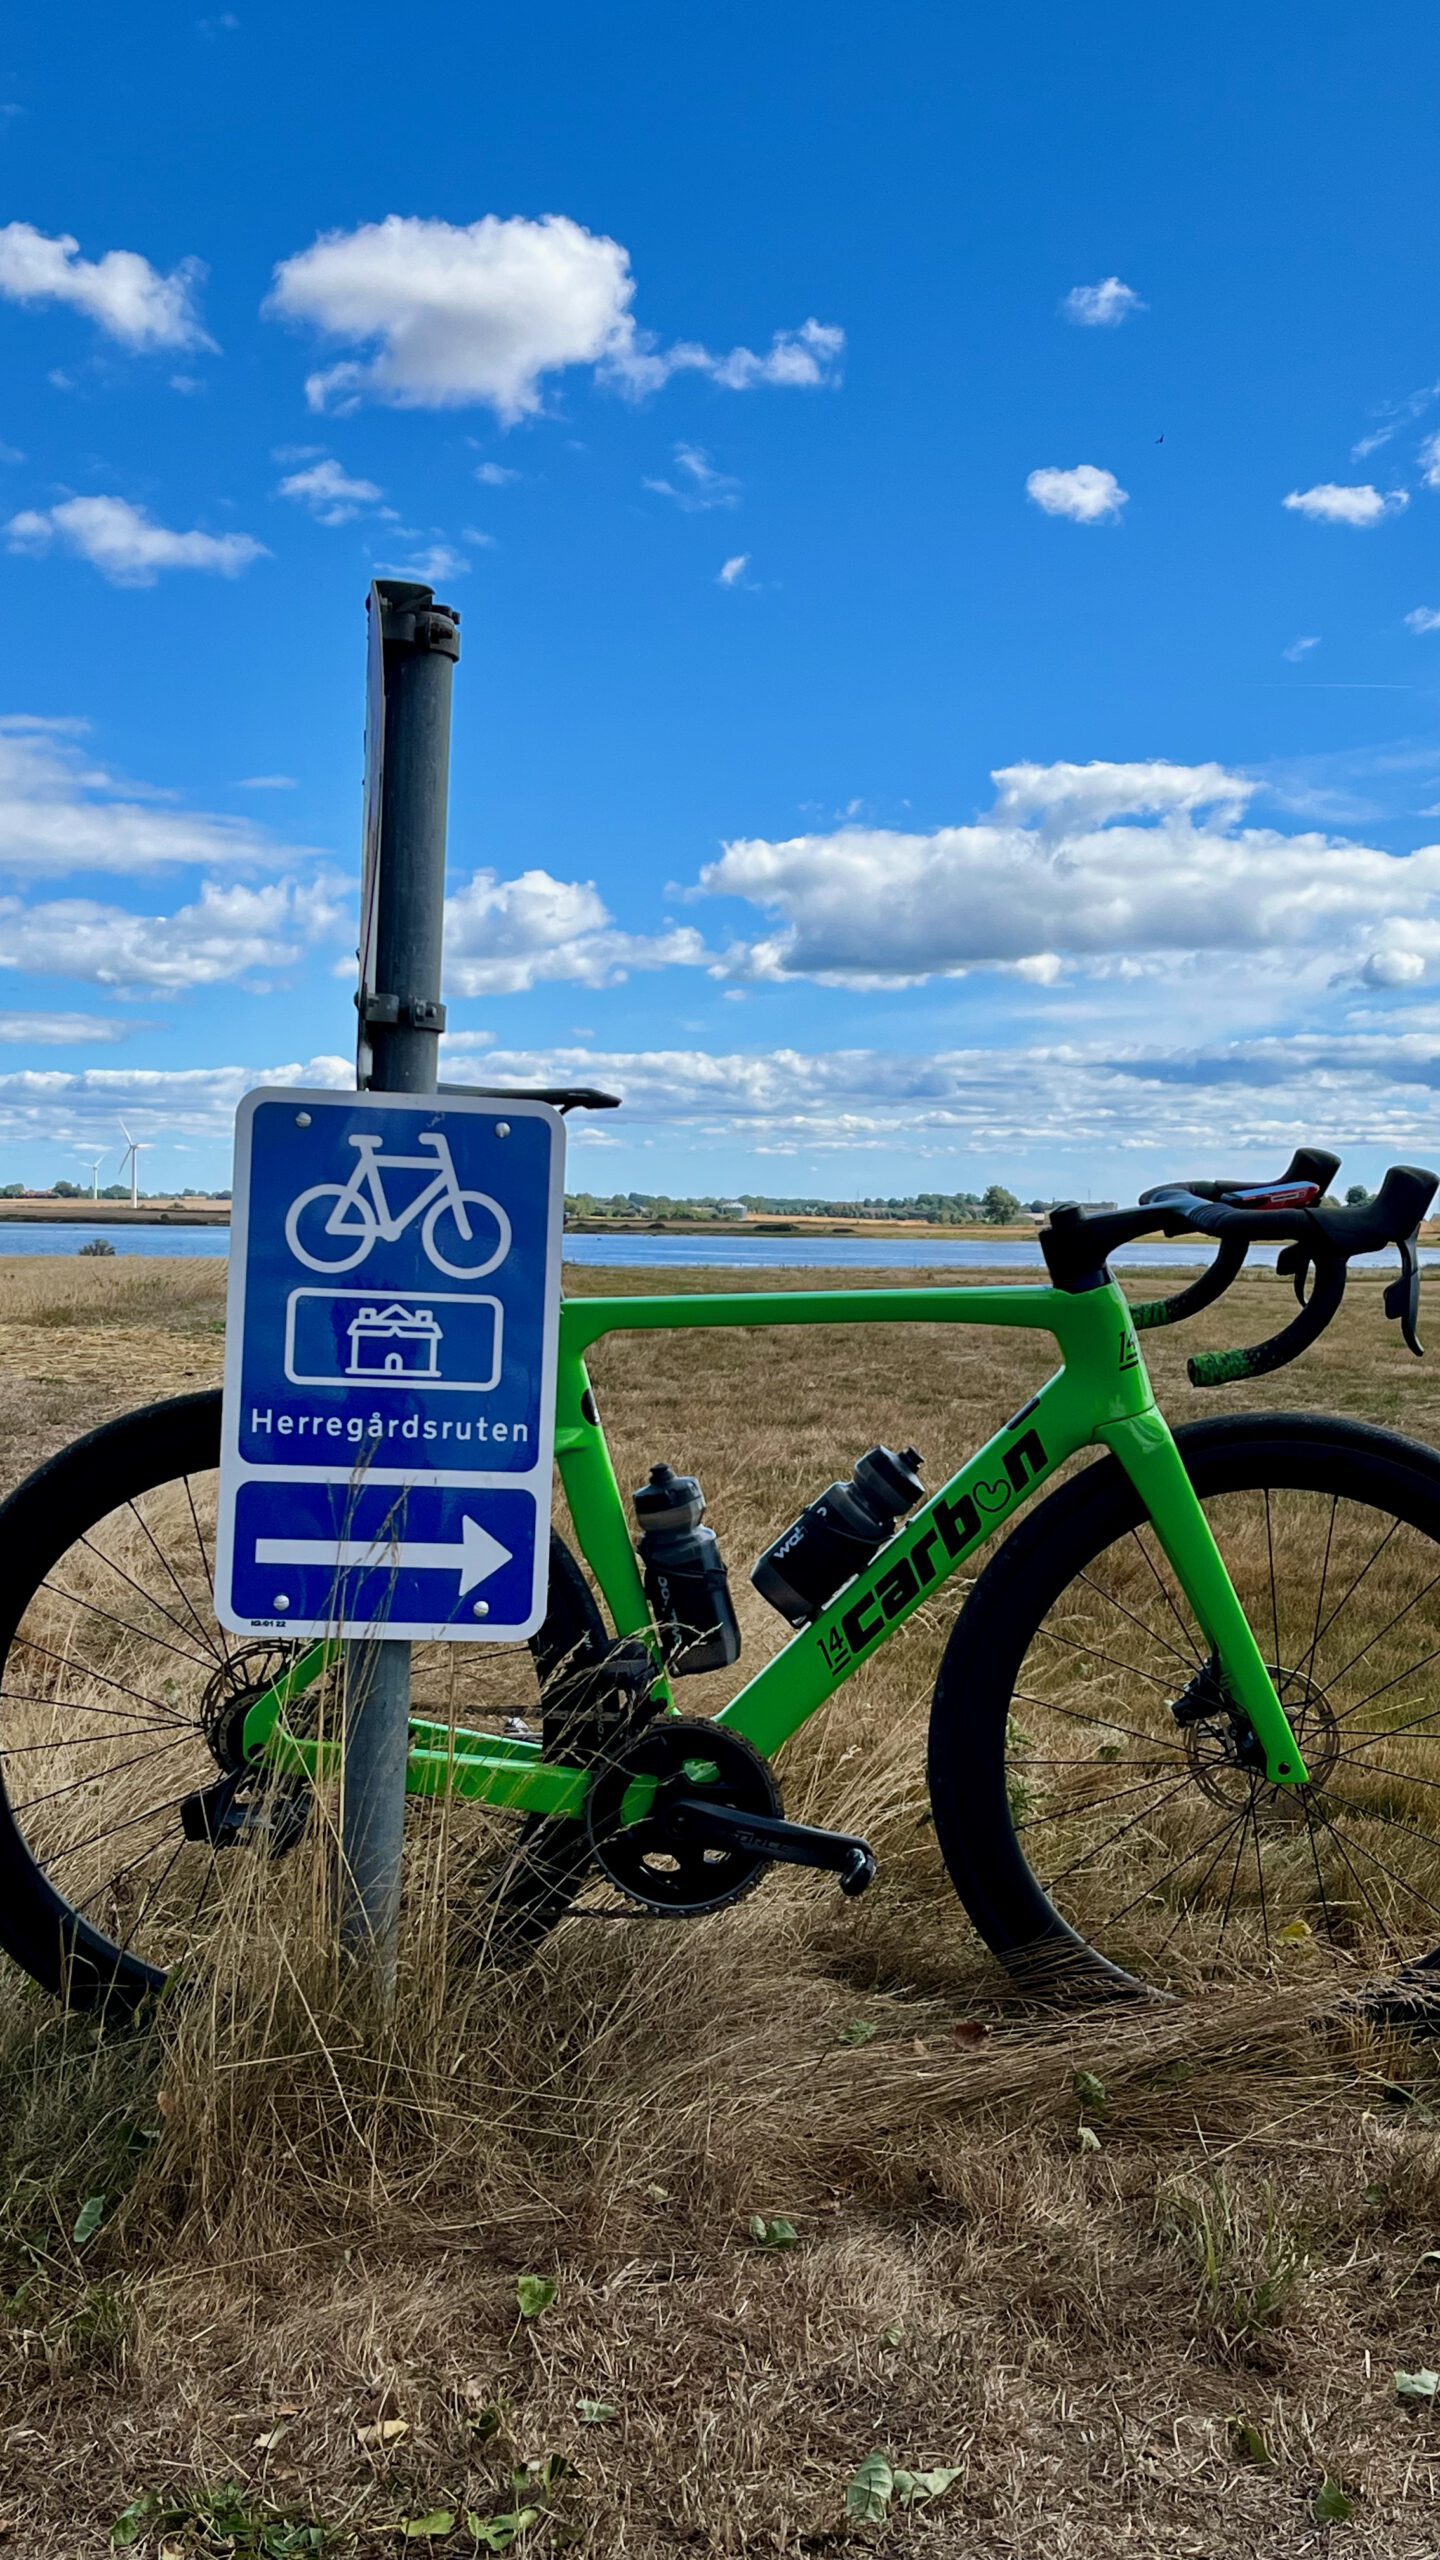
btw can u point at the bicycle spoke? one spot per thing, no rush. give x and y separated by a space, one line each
1303 1667
186 1603
1247 1815
1381 1924
1093 1653
1106 1724
1148 1890
97 1777
1162 1641
154 1886
1319 1877
1120 1834
1397 1683
141 1593
142 1698
1347 1596
1076 1812
97 1707
209 1570
142 1635
113 1831
1163 1588
1346 1668
1260 1877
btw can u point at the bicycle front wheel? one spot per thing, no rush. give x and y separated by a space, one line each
1097 1797
130 1827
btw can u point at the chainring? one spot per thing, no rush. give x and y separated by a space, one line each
674 1877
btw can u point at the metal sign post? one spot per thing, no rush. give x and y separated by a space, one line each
414 644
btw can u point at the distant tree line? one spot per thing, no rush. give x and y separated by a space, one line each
996 1206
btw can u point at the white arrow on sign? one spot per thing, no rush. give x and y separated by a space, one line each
474 1555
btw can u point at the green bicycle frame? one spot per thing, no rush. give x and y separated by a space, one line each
1099 1397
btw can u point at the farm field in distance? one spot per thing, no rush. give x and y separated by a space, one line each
298 2304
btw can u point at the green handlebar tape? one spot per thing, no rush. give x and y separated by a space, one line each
1220 1368
1150 1312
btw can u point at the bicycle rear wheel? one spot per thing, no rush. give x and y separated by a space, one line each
1096 1796
122 1701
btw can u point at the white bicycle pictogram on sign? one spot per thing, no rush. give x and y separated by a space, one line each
360 1216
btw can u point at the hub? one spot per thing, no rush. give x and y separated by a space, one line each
231 1693
1226 1757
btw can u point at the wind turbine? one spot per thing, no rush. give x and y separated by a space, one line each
131 1157
94 1162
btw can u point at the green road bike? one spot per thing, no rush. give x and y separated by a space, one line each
1189 1710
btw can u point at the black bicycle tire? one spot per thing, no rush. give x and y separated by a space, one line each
988 1644
39 1522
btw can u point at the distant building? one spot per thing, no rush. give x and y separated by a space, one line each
394 1342
731 1209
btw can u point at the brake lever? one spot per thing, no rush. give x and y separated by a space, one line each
1402 1295
1296 1262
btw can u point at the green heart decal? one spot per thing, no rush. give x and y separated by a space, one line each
993 1497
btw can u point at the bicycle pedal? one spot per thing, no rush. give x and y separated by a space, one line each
790 1844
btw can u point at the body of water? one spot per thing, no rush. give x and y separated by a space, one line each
722 1252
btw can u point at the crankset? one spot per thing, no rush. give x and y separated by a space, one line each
714 1825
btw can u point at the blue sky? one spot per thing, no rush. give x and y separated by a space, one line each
1041 797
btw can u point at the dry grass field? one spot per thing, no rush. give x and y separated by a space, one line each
807 2180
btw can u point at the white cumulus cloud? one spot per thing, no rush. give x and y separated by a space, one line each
125 544
1085 494
61 812
1101 306
732 571
331 493
504 936
228 931
121 292
1425 617
1328 503
461 315
1102 869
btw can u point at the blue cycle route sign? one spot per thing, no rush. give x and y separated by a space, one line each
390 1366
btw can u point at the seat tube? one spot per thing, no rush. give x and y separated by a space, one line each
1146 1449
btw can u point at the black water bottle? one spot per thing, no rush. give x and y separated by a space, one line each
685 1579
838 1533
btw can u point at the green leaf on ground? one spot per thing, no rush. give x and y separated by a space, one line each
892 2336
869 2490
1247 2440
1086 2138
1421 2385
88 2220
1330 2504
431 2528
859 2031
916 2488
1090 2091
594 2413
534 2295
497 2533
774 2233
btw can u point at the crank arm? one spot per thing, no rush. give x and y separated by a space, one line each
764 1835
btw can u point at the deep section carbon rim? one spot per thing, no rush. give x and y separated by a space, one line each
1134 1835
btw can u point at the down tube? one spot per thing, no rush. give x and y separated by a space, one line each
952 1526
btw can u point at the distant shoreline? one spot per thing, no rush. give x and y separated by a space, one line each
118 1213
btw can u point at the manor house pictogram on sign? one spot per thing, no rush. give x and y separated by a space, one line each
394 1342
